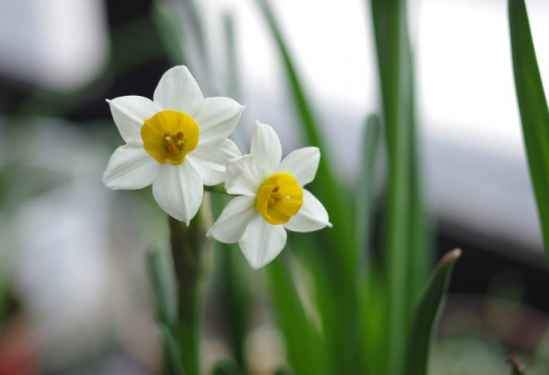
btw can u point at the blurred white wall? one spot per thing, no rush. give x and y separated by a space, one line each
59 44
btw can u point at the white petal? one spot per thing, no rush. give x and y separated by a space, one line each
262 242
243 178
130 167
311 216
234 219
177 89
211 160
217 118
302 163
178 190
129 113
266 148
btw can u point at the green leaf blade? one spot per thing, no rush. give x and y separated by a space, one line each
426 314
533 109
365 186
405 248
161 275
160 270
304 344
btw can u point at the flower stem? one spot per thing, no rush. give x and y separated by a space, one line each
218 189
186 249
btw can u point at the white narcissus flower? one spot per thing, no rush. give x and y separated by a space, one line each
177 142
272 198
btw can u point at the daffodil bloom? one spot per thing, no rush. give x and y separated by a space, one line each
178 142
272 198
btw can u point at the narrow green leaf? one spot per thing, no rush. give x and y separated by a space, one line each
365 186
425 316
340 314
172 351
170 30
304 345
373 320
533 109
236 298
420 249
160 270
407 257
161 276
372 292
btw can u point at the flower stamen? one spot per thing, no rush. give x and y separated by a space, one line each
169 136
279 198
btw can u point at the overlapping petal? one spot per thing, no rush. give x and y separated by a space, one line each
129 113
302 163
262 242
234 219
130 167
243 177
217 118
266 148
211 160
178 190
311 216
178 90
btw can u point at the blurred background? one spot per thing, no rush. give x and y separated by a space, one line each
74 298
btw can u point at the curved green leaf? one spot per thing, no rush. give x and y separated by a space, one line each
426 314
533 109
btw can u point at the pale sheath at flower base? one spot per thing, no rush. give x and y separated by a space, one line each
178 142
271 198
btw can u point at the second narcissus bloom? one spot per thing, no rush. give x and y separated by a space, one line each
272 198
178 142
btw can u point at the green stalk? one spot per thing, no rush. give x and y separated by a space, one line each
186 243
304 345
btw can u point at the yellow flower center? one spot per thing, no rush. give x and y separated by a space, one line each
169 136
279 198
